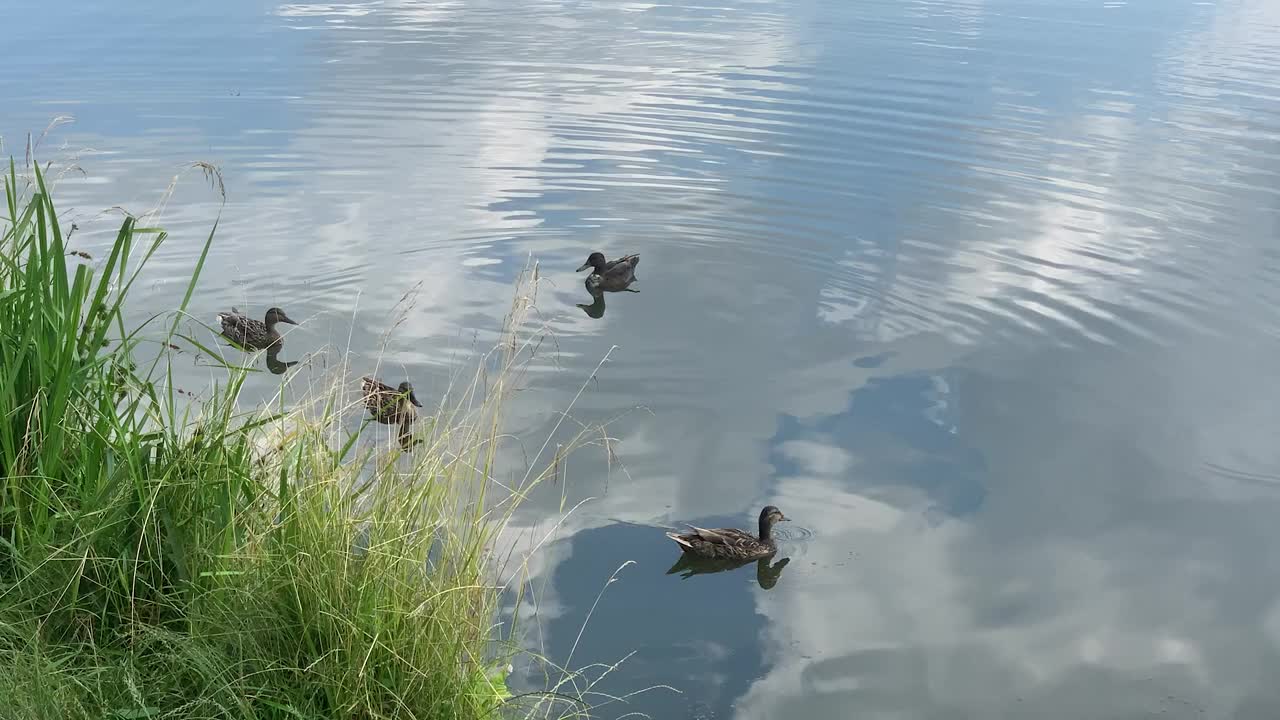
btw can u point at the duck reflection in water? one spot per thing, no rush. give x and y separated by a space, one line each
274 364
595 309
766 575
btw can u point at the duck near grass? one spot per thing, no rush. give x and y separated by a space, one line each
253 334
391 405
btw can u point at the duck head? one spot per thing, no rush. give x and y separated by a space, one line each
595 260
768 516
276 315
406 390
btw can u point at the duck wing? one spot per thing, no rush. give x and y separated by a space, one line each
370 386
721 544
625 260
376 394
722 536
624 267
234 325
384 402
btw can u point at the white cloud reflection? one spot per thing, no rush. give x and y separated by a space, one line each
1104 575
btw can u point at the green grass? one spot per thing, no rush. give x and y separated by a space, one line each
168 558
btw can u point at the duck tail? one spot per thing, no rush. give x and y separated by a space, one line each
677 539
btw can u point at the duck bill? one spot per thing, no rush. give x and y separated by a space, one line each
287 320
414 399
584 267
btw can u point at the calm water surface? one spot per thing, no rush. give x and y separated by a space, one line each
982 293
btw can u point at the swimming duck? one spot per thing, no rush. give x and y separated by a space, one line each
609 275
252 334
389 405
392 406
730 543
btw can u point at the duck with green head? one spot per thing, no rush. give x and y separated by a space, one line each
253 334
731 543
610 275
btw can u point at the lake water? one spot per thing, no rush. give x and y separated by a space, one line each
984 294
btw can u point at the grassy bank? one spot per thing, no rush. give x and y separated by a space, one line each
168 558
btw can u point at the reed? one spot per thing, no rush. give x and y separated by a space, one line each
163 558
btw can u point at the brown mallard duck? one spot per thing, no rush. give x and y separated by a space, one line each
389 405
731 543
392 406
610 275
252 334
